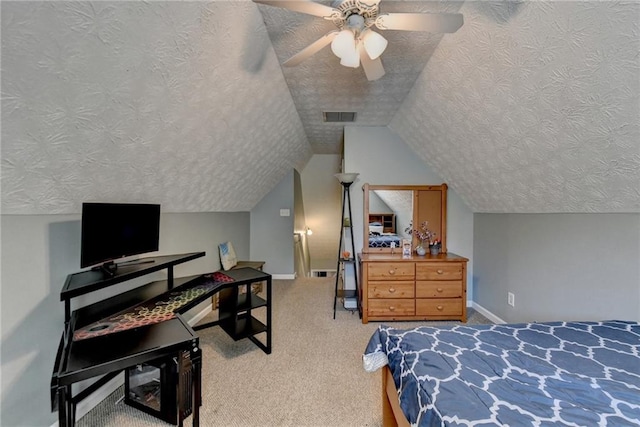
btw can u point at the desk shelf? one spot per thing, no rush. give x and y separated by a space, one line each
255 301
120 302
242 326
235 313
91 280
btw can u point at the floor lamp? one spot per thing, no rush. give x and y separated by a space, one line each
346 257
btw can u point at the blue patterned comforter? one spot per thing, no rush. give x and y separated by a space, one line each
383 240
536 374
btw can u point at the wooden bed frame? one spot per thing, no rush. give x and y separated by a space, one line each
392 415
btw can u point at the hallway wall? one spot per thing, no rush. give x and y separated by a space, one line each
322 194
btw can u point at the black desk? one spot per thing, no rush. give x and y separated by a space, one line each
235 308
81 360
110 354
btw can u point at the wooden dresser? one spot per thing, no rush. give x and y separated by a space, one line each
417 288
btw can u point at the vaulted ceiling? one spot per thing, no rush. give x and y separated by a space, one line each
321 84
529 107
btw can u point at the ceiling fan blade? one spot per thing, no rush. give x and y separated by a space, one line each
373 68
303 6
310 50
431 22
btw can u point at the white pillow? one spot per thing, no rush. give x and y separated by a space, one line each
376 229
228 257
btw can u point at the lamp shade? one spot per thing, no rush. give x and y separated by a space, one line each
346 178
374 44
343 44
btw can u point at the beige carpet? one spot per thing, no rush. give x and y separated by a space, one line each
314 376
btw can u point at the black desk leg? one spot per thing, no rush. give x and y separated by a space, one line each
269 321
62 406
170 277
67 310
197 392
66 408
72 411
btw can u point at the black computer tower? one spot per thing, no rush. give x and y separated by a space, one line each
162 388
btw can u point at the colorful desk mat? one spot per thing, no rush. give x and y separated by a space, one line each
156 310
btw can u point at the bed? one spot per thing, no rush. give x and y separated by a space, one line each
384 240
379 239
542 374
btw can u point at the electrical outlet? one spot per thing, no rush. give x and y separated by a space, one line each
511 299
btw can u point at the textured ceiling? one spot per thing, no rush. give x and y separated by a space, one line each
532 106
321 84
180 103
397 200
401 204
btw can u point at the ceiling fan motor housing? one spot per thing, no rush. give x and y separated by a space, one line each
355 23
355 14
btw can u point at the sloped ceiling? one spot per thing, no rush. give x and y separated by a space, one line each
181 103
534 107
321 84
529 107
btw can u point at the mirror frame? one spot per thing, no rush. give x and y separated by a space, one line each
442 232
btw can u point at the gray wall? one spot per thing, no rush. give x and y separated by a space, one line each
272 234
381 157
322 196
301 259
38 252
376 205
559 266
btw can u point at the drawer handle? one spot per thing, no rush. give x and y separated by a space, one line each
392 290
392 308
393 271
440 308
439 289
439 271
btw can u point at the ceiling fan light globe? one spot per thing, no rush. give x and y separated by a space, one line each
374 44
352 60
343 44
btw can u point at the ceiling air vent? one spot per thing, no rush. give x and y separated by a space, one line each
339 116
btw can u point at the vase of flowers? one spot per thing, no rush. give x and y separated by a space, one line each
424 235
434 247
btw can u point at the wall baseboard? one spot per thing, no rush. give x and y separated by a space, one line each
323 273
103 392
486 313
283 276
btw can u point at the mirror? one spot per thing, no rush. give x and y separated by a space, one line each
390 212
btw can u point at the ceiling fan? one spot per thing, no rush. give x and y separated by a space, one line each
355 42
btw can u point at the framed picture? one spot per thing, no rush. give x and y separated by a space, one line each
406 248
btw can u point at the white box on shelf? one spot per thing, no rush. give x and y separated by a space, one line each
350 303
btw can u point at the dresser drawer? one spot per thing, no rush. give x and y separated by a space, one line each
391 307
439 271
438 288
390 289
439 307
391 271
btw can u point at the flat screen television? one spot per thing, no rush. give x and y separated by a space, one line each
116 230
